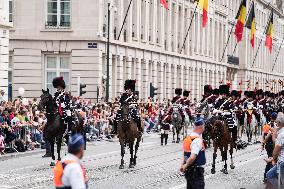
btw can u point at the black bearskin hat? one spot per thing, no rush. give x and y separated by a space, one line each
259 92
224 89
58 82
234 93
129 84
186 93
282 92
208 89
178 91
251 94
246 93
216 92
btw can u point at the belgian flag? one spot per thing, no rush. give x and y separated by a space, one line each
164 3
251 24
203 5
241 16
269 32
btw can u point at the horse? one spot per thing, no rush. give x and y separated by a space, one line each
204 110
177 123
127 133
222 139
250 124
55 129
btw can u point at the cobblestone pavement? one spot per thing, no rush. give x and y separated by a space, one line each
157 167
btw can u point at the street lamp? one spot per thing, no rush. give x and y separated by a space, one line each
109 7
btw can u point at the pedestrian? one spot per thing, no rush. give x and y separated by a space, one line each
2 144
69 173
278 155
194 160
268 142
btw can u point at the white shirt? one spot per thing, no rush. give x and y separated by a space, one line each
73 174
196 145
280 141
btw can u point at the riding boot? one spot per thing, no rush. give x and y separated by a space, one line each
114 129
162 139
139 126
166 138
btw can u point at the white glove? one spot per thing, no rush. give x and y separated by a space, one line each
63 105
215 111
68 113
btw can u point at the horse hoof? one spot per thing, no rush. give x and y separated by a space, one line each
232 166
52 164
224 171
173 141
121 167
131 166
213 171
53 157
177 141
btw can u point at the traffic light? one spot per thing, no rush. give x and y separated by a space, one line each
82 86
152 90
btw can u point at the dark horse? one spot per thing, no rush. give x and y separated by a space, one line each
127 133
222 138
55 129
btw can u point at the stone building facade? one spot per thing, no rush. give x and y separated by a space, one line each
68 37
4 45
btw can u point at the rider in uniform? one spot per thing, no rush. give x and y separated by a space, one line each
63 101
193 159
186 103
207 92
130 98
177 102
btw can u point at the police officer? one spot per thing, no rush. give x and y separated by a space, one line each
69 173
193 159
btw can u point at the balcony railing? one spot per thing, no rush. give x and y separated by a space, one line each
55 25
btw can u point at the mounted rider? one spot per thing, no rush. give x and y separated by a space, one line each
186 104
128 97
207 94
177 103
63 101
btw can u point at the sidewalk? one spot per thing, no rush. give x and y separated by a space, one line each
21 154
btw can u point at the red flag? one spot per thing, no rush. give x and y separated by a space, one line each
164 3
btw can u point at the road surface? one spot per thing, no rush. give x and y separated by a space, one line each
157 168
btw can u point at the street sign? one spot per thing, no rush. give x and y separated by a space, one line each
92 45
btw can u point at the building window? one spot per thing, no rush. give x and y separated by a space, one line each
10 11
58 14
57 66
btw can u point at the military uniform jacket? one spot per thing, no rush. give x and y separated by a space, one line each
63 103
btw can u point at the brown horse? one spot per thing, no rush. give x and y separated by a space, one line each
127 133
222 139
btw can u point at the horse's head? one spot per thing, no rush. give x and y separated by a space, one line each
125 109
45 99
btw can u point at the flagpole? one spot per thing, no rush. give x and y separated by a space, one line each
261 41
190 24
227 42
124 19
277 54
